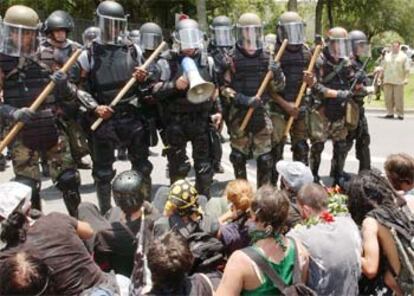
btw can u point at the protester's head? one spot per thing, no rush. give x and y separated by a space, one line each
240 194
14 205
129 191
169 259
396 46
312 199
400 171
24 274
293 175
370 190
270 209
182 200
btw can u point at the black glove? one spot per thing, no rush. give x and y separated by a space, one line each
241 99
24 115
276 70
344 95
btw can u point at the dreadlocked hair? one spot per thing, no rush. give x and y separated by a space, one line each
369 190
14 229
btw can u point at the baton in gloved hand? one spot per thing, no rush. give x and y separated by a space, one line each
263 86
130 83
39 101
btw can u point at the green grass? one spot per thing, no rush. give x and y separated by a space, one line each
408 97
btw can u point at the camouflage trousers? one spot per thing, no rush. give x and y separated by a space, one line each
76 137
26 161
321 130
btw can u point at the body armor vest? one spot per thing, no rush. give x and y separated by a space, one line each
335 109
112 67
24 80
180 104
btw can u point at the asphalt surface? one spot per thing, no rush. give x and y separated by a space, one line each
387 136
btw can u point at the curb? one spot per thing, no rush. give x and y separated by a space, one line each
383 110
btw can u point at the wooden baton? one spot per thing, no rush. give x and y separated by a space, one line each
11 135
263 86
129 84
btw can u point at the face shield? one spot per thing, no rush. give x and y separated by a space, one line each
223 36
150 41
293 32
189 39
250 37
339 48
361 49
18 41
113 30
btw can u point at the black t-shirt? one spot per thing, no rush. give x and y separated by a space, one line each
54 240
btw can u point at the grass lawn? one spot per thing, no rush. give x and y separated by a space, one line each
408 97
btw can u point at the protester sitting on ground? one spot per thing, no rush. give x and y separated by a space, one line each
56 239
378 209
182 208
293 176
233 229
115 241
400 172
242 275
331 272
25 274
170 261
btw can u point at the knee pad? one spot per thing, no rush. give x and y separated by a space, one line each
203 168
265 160
318 147
341 146
104 175
301 147
237 158
144 167
68 180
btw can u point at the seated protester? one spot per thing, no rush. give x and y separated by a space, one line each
234 229
56 239
25 274
400 172
387 232
331 272
183 209
293 176
115 241
242 275
170 261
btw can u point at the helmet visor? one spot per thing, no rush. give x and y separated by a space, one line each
150 41
339 48
112 29
223 36
189 39
361 49
250 37
18 41
294 33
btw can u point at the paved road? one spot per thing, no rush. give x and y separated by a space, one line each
387 136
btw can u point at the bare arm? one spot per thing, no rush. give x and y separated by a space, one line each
371 248
232 281
84 230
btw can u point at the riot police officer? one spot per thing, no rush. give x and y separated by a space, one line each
25 76
56 49
294 62
134 36
250 63
327 119
106 67
360 133
187 121
89 35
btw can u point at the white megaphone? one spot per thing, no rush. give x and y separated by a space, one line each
200 90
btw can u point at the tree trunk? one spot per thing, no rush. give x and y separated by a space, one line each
329 5
318 17
292 5
201 14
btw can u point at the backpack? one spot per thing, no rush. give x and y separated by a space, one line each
298 288
400 222
208 251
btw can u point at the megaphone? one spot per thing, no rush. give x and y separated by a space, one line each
200 90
